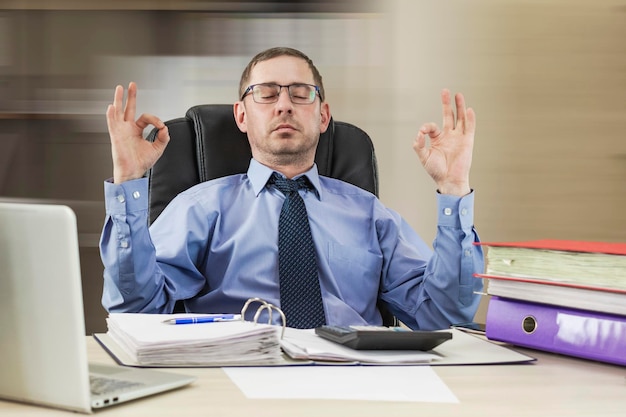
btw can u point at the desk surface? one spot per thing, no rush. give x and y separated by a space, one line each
554 385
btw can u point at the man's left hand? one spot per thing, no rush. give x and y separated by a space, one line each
448 157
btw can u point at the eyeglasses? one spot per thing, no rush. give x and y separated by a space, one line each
267 93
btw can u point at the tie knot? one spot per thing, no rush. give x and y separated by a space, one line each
287 186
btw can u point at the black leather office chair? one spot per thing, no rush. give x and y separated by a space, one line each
207 144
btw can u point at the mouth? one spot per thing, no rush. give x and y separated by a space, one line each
284 127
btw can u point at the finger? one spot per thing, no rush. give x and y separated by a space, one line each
146 120
470 121
162 138
118 98
448 114
460 111
131 102
110 115
431 129
419 146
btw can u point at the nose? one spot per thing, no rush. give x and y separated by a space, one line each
284 103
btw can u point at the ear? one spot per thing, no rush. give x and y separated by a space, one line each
325 117
239 111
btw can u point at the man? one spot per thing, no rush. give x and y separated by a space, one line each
217 244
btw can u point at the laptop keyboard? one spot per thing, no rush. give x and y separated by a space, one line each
101 385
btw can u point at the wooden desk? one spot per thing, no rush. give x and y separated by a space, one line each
553 386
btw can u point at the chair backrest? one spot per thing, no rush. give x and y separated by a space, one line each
207 144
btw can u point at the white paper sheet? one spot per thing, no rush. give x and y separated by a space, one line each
402 383
305 344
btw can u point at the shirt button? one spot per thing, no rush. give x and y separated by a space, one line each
463 212
124 244
468 252
447 211
120 198
136 195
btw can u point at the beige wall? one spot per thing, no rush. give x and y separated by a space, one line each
547 80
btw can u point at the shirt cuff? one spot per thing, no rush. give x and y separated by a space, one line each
127 197
457 212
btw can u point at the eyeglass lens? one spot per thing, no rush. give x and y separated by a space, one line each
269 93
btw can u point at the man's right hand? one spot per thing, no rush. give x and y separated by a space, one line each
132 154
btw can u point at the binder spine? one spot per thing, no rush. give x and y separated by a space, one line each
573 332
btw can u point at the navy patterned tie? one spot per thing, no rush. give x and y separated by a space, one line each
300 294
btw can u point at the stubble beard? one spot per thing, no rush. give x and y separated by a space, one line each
284 152
290 155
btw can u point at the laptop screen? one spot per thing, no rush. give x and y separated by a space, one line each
43 353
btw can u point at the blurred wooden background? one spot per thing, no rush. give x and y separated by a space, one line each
547 80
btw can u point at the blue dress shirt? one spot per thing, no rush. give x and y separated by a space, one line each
216 245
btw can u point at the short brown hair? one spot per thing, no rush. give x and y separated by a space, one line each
276 52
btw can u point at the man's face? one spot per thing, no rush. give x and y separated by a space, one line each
282 133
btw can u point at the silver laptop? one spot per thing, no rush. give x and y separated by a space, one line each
43 354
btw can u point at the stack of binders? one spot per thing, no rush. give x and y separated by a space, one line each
560 296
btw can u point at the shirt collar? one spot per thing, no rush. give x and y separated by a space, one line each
259 174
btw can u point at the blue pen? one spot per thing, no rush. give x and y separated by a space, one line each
204 319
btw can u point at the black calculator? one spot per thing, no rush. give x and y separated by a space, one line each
383 338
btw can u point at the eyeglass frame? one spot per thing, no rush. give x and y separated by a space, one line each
249 91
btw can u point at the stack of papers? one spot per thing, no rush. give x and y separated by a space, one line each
144 340
149 341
